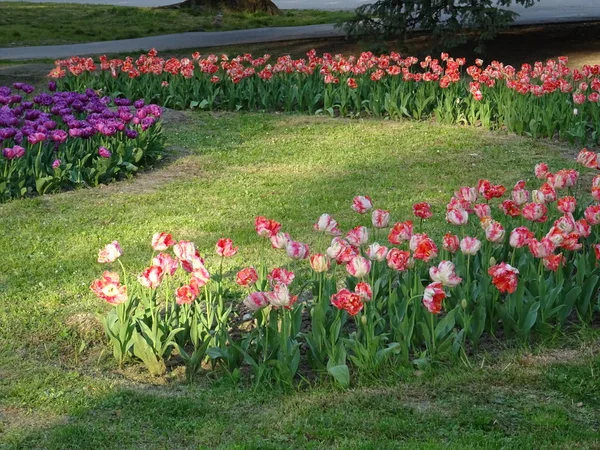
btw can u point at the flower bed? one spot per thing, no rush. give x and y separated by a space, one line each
517 262
58 140
543 100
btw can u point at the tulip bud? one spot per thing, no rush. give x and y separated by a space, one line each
463 303
492 261
363 319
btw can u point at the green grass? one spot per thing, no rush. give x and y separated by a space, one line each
59 388
59 23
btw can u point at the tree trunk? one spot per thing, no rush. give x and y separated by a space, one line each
237 5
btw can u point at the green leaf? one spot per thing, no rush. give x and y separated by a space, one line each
341 374
143 351
445 325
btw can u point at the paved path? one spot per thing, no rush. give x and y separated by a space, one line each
574 11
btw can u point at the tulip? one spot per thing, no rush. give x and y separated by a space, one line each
457 216
398 259
151 277
535 212
256 301
467 194
348 301
266 227
103 152
358 267
520 236
377 252
401 232
320 262
587 159
280 240
423 247
246 277
592 214
364 290
451 243
483 210
510 208
297 250
422 210
108 288
541 170
162 241
362 204
380 218
280 297
433 297
504 277
494 232
445 273
167 263
110 253
358 236
225 248
280 276
326 224
553 262
185 295
541 249
566 205
470 245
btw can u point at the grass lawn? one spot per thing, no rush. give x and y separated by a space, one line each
59 388
59 23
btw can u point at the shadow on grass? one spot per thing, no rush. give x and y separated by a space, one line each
492 408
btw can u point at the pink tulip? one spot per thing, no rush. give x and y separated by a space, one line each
362 204
470 245
380 218
110 253
151 277
280 297
445 273
225 248
520 236
256 301
358 236
166 262
358 267
247 277
297 250
494 232
162 241
281 275
483 210
377 252
566 204
103 152
451 243
364 290
457 217
433 297
280 240
398 259
326 224
401 232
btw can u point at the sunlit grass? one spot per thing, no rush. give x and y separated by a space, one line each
64 23
58 385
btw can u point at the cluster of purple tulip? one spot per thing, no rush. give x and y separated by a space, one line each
53 140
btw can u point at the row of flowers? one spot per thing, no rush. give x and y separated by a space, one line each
515 261
56 140
543 99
